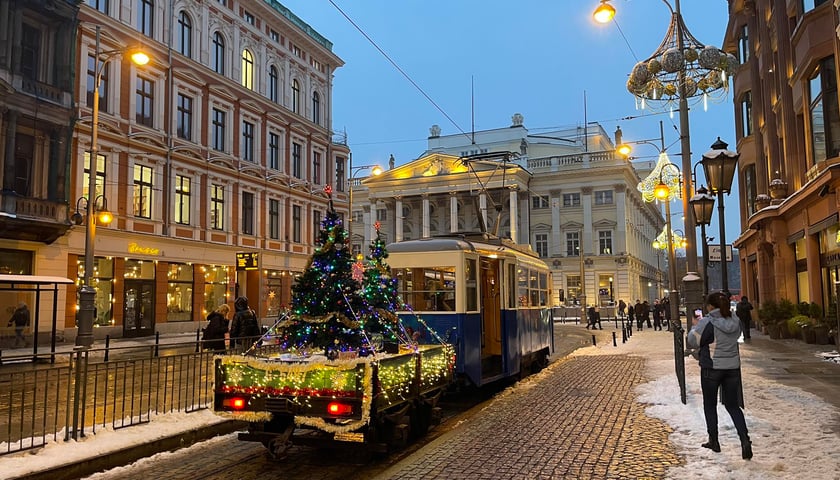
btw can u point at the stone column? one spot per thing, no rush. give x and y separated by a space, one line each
556 240
514 215
9 154
398 219
586 203
426 219
453 212
482 207
620 240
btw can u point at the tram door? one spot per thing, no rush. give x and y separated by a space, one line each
139 308
491 320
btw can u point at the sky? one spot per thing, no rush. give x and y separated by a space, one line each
808 451
539 58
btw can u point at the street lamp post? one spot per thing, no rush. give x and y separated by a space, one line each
87 294
375 170
719 166
703 204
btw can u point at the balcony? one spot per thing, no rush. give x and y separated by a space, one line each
566 162
33 219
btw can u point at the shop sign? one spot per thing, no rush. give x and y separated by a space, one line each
247 261
139 249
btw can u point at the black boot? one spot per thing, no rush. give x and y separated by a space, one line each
746 447
712 444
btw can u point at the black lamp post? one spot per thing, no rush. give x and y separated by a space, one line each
703 204
719 165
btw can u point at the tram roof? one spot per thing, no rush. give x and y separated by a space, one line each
466 242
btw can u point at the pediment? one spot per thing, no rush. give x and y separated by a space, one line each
541 226
604 223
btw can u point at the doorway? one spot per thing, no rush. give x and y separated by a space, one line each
491 321
139 308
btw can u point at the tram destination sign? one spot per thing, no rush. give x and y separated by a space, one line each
247 261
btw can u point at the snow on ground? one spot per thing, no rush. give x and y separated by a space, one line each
787 425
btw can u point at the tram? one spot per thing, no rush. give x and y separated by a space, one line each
487 296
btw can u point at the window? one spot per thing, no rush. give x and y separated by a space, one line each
744 45
316 168
538 202
179 294
247 70
145 17
215 287
339 174
30 52
808 5
100 176
750 190
218 130
274 151
249 18
296 165
274 36
184 128
103 84
430 288
274 219
573 244
297 51
142 191
247 213
182 200
296 219
825 112
184 34
381 214
248 141
603 197
573 287
605 242
273 83
218 60
571 199
746 114
541 244
101 5
316 226
217 207
316 108
145 102
295 96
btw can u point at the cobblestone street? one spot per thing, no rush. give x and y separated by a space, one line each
577 419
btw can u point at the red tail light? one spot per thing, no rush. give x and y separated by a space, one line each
235 403
338 408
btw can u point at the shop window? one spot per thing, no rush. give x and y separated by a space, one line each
179 294
102 280
215 287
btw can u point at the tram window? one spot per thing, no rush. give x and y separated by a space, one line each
511 289
427 289
523 299
472 289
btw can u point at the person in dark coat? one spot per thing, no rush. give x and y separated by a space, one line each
621 307
744 312
217 328
639 310
657 315
666 312
245 328
631 315
646 316
594 318
20 319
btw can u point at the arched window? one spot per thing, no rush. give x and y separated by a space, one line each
295 96
218 58
316 108
247 70
184 34
273 81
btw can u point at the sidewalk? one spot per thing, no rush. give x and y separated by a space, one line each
601 412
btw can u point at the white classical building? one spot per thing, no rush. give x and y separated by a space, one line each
556 191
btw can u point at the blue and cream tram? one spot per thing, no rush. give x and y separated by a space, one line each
488 296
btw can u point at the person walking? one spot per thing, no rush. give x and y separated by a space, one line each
245 328
637 311
20 319
666 312
715 337
744 311
621 307
646 310
657 315
217 329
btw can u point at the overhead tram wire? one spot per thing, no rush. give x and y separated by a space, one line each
404 74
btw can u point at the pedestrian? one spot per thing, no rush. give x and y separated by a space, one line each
245 328
657 315
666 312
621 307
637 310
716 338
646 310
20 319
590 317
631 312
217 329
744 312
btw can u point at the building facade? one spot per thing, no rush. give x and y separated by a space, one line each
213 157
558 191
788 136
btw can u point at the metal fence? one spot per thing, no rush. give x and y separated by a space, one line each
85 390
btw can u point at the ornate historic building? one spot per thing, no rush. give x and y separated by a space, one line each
556 191
788 130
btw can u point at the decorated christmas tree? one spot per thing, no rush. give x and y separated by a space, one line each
379 292
326 305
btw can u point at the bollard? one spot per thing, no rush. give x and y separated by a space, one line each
594 343
615 343
107 347
616 322
197 340
623 335
157 344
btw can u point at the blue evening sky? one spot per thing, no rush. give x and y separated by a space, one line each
539 58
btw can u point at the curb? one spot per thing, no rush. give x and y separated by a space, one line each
121 458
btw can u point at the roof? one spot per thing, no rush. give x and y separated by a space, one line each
34 279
